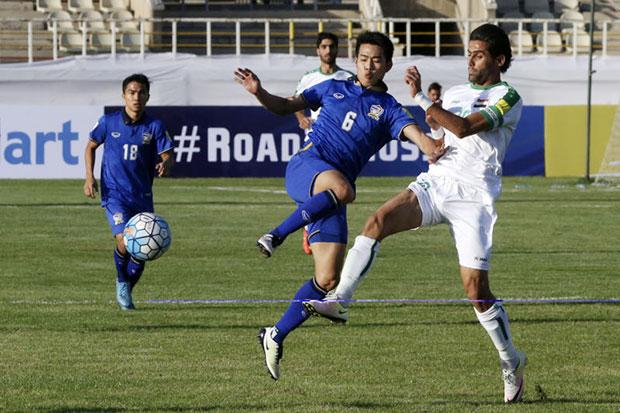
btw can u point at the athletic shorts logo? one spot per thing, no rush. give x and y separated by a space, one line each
375 112
118 218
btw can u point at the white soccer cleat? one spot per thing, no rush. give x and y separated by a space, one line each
514 380
272 350
332 310
267 243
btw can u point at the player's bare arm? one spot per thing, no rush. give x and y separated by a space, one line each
276 104
461 127
167 161
90 183
431 148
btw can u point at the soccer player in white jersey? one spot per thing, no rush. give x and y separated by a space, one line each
476 122
327 51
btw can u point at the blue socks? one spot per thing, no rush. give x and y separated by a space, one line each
135 268
121 266
128 269
317 207
296 314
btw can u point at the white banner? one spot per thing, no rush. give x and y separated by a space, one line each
45 141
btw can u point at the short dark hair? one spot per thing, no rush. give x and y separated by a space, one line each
137 77
497 40
326 35
435 86
378 39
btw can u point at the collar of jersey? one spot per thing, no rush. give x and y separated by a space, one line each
128 121
336 68
500 83
379 87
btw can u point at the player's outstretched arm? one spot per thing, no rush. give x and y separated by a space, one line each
459 126
164 167
90 183
276 104
431 148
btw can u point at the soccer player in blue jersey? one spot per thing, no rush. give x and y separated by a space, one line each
136 147
357 118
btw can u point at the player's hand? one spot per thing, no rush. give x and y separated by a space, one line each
90 188
437 153
305 123
246 78
414 80
431 122
163 167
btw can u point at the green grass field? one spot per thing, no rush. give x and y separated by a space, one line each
65 347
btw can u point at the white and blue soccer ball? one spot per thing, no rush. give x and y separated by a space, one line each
147 236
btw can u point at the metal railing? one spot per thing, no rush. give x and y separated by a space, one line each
293 35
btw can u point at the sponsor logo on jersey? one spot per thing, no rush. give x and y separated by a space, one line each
146 138
375 112
338 95
118 218
116 135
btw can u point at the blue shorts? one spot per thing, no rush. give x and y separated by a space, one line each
118 213
301 173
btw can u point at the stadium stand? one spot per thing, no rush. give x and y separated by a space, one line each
554 42
78 6
111 6
47 6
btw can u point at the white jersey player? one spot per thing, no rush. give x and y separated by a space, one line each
327 51
476 123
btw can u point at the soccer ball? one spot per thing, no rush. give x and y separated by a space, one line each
147 236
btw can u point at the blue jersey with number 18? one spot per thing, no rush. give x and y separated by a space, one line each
355 122
130 152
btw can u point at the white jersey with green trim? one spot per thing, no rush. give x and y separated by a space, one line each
314 77
477 159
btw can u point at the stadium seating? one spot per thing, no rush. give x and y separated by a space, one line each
569 17
78 6
507 6
70 42
527 44
130 42
539 27
535 6
64 20
101 42
124 21
554 42
93 21
110 6
47 6
511 26
560 6
599 19
583 41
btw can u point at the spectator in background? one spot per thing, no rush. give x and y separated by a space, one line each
434 92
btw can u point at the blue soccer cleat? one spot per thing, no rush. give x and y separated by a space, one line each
123 295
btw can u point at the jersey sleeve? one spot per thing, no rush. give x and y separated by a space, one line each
507 109
162 138
314 95
97 133
399 118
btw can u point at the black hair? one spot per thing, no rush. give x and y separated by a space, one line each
137 77
435 86
497 41
326 35
378 39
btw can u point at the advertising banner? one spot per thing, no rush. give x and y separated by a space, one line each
216 141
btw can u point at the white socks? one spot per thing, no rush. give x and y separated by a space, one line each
359 260
495 322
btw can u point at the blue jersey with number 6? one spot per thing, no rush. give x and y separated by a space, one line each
355 122
130 152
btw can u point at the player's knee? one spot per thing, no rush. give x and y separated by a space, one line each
326 282
344 192
120 246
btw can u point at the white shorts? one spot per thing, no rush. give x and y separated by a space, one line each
469 211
